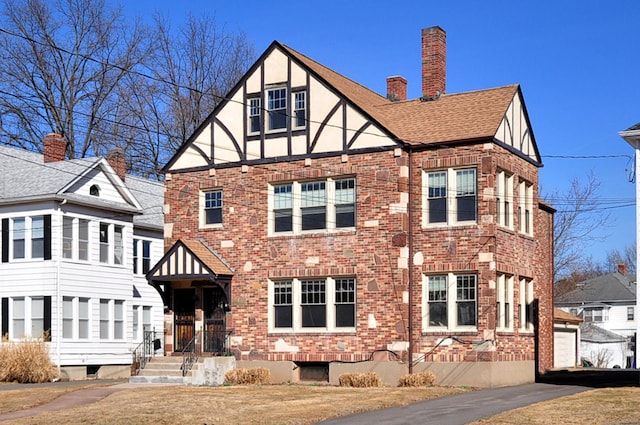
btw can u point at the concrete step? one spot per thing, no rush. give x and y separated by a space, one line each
179 380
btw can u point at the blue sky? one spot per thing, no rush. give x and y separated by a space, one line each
577 62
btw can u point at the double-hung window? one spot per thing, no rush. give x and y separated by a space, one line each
277 108
312 305
449 197
450 302
299 109
75 238
504 302
37 237
104 242
630 313
504 199
525 295
525 207
211 208
67 237
254 115
141 256
27 317
30 238
111 243
118 319
310 206
19 236
104 319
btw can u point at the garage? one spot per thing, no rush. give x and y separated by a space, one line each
566 334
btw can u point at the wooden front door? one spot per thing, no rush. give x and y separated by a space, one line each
184 309
215 335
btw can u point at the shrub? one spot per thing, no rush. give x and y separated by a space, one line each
255 375
360 380
26 362
421 379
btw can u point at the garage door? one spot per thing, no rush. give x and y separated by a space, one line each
564 349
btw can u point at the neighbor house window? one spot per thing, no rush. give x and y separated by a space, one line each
595 315
75 238
37 317
83 239
254 115
504 302
630 313
450 302
27 317
104 243
37 237
504 199
118 319
26 238
211 208
449 197
525 295
277 108
67 237
141 256
104 319
322 304
299 109
111 243
67 317
118 244
83 318
310 206
146 319
19 238
18 318
525 207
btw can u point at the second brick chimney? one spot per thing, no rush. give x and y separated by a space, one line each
622 269
117 161
434 62
396 88
55 147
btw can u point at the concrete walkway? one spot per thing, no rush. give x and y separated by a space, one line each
453 410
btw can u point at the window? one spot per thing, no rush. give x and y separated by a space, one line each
94 190
146 319
504 199
277 108
525 208
345 203
19 238
37 317
136 323
118 319
104 243
118 245
598 315
449 197
141 256
299 109
311 206
525 293
67 237
630 313
254 115
37 237
75 238
504 302
309 305
314 205
283 208
450 302
104 319
83 318
212 207
27 317
83 239
67 317
18 318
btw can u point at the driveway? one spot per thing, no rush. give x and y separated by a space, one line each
462 408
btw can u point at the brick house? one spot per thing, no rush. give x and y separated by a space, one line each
317 227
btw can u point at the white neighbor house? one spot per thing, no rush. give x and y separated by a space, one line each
607 305
77 239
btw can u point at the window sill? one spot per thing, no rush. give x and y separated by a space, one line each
311 331
314 233
450 332
441 226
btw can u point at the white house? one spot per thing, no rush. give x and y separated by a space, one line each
607 305
77 239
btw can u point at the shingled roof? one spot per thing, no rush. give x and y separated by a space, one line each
455 117
608 288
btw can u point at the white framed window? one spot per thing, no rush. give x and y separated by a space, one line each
19 238
630 313
118 319
141 256
525 207
104 242
135 323
299 109
118 245
276 109
111 243
28 317
83 318
504 199
449 197
37 317
525 294
68 317
104 319
254 115
319 205
211 208
37 237
312 305
504 303
146 318
75 238
19 318
449 302
598 315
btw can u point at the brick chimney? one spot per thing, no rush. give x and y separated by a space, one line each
622 269
434 62
116 159
396 88
55 147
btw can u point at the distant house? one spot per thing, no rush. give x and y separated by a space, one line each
320 227
566 339
607 305
78 237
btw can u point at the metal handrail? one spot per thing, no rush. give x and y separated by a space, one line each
143 352
189 356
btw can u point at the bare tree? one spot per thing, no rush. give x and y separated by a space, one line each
578 218
63 62
626 256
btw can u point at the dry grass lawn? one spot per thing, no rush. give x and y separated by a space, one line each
301 404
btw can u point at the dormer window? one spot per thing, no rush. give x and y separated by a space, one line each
94 190
299 109
254 115
276 110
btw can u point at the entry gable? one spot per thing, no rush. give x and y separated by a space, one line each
286 107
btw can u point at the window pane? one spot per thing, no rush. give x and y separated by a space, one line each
254 115
314 310
104 319
118 247
213 207
277 106
345 302
437 299
118 324
437 197
466 300
146 318
282 204
345 203
146 256
282 301
83 318
37 317
67 317
18 237
18 318
300 109
466 195
67 237
104 243
83 239
314 218
37 237
313 204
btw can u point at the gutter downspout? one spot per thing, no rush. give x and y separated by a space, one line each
410 260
